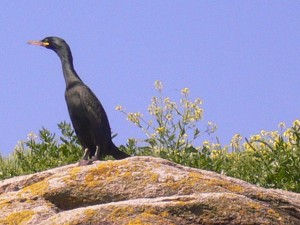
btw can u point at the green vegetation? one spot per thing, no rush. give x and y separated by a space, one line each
176 131
41 153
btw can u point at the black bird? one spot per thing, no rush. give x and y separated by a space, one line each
86 112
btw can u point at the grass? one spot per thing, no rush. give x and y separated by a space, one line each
270 159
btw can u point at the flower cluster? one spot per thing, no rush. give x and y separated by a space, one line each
135 118
172 125
291 133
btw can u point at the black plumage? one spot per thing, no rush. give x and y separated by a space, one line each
86 112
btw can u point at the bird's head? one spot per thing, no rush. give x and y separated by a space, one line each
53 43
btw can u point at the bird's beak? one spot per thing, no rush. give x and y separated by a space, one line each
39 43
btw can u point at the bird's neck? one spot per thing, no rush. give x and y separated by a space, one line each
69 72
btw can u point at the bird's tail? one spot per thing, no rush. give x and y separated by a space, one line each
117 153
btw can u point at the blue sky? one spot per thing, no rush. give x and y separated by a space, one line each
241 57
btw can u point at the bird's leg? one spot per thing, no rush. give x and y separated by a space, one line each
85 160
97 154
86 154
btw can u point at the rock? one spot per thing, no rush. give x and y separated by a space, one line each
141 190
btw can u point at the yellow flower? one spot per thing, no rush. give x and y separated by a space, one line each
167 100
119 108
158 85
207 145
151 110
154 100
170 105
32 136
185 91
211 127
288 133
19 147
169 117
215 154
134 117
264 133
231 155
161 130
281 125
248 148
235 141
255 137
198 114
296 123
198 101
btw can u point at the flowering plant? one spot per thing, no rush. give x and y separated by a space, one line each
173 126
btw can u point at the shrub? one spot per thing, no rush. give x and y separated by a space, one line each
172 130
41 152
270 159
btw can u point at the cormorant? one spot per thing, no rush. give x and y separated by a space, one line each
86 112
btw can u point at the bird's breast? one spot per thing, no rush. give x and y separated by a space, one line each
73 100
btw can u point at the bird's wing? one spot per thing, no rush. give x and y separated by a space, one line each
93 107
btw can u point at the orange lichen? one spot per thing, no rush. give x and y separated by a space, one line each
4 204
89 213
273 213
254 205
120 212
225 185
147 218
19 218
36 189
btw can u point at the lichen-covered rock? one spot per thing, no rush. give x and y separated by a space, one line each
141 190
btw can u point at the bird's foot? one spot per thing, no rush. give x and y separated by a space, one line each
94 158
85 162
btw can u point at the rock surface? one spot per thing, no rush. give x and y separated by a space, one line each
141 190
